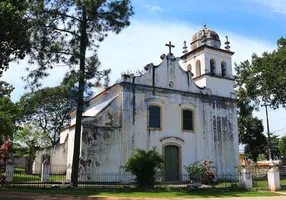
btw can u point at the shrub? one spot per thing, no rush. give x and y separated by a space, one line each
194 171
5 151
208 174
144 164
201 172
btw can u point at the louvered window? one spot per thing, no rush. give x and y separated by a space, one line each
154 117
188 120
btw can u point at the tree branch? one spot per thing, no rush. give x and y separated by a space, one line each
64 15
63 30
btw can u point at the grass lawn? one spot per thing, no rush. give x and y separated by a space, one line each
202 193
21 176
36 178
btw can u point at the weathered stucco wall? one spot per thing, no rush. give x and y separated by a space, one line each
101 149
214 138
167 85
58 159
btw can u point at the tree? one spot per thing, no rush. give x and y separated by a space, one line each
33 139
49 108
274 139
144 165
264 78
282 146
251 134
5 89
9 113
66 32
250 128
14 32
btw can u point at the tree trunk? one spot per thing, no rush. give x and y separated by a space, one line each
80 101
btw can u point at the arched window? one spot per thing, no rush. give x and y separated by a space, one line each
154 116
212 66
223 69
198 68
189 67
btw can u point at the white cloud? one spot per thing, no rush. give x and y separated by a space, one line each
276 5
142 43
153 8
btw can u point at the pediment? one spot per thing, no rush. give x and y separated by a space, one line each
168 74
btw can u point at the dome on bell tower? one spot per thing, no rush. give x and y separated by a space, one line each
207 37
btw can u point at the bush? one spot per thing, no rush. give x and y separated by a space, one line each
201 172
144 164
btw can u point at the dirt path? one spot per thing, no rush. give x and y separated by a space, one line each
33 196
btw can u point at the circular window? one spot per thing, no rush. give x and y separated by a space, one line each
171 84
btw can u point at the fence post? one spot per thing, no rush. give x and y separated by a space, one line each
46 168
245 179
9 171
273 179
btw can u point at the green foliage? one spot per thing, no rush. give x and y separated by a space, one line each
9 112
264 78
32 138
250 128
261 157
275 153
14 32
64 31
144 165
194 170
282 146
260 81
5 89
202 172
49 108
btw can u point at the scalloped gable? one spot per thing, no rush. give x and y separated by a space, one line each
168 74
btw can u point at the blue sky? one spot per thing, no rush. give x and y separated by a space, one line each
252 26
263 19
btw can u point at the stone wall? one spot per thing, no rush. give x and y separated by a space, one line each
58 159
20 162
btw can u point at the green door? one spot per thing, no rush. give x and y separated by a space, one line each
171 163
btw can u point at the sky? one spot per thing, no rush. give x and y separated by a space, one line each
253 26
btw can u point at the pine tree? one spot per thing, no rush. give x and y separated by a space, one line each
66 32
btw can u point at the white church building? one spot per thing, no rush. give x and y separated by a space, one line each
187 112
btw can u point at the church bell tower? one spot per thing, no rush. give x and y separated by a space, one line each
210 65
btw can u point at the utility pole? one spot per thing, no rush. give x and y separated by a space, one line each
268 132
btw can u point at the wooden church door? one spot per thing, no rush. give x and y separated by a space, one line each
171 160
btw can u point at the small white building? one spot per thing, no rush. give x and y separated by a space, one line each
187 112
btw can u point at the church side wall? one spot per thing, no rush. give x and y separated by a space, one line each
102 145
63 135
70 146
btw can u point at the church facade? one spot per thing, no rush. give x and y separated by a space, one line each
187 112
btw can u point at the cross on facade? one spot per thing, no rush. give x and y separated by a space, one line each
170 46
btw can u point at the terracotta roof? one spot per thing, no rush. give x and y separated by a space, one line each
66 128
